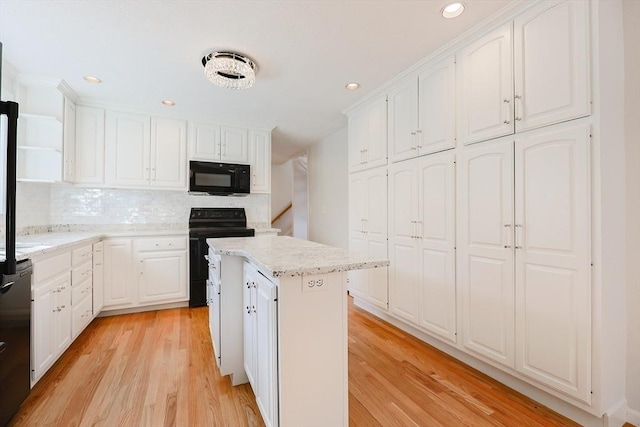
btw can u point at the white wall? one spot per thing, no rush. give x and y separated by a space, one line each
281 187
328 192
631 22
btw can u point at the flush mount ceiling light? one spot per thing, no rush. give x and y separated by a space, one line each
352 86
92 79
168 103
229 69
452 10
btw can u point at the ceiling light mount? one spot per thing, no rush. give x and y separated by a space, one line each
352 86
230 70
452 10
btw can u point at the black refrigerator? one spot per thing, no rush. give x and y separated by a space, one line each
15 282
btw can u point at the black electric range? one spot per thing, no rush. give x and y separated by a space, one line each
205 223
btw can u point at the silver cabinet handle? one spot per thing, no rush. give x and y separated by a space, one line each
508 245
518 104
518 239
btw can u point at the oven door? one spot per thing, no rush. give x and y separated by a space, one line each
218 178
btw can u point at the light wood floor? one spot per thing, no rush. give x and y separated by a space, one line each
157 369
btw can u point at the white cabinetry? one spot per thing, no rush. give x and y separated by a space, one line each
69 141
421 233
81 288
368 233
422 113
118 274
529 245
161 265
533 73
89 153
98 277
210 141
260 161
260 338
368 136
143 152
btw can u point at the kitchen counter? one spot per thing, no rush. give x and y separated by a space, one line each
284 256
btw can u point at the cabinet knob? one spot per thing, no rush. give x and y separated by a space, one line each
506 122
506 101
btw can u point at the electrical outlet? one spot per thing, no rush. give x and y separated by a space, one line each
313 283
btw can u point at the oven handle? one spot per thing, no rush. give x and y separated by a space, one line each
206 257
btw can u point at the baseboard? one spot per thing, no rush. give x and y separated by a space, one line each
616 416
633 417
107 313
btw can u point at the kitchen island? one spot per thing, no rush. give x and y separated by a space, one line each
278 319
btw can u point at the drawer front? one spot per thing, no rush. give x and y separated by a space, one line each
81 273
98 253
80 292
49 267
82 255
81 315
161 243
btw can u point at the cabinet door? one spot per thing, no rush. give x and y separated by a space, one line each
403 121
437 108
42 351
485 253
233 144
553 293
437 245
358 129
376 235
162 276
214 318
168 153
486 87
266 350
204 141
118 283
404 277
249 324
98 277
375 145
69 141
260 161
357 238
552 80
89 145
128 143
62 317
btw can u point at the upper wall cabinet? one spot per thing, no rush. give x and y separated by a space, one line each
209 141
89 155
368 136
260 161
422 113
533 74
144 152
69 141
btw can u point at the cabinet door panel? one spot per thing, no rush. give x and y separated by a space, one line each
437 108
62 318
90 133
376 205
69 140
128 143
266 350
204 141
260 161
249 325
118 286
552 82
358 279
438 289
358 130
98 277
377 289
376 142
553 287
484 248
233 144
486 87
168 153
403 121
42 351
162 276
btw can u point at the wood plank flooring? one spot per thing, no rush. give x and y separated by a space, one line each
157 369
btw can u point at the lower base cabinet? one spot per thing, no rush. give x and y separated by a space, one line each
260 341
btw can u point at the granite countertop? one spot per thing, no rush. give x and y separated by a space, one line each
284 256
34 245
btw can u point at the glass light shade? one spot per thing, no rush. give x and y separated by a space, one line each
229 70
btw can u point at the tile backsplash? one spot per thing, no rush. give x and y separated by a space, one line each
58 207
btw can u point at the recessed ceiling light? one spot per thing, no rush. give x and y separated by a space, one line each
352 86
92 79
168 103
452 10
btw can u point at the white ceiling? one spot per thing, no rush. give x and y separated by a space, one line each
306 51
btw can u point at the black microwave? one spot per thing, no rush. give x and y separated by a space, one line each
219 179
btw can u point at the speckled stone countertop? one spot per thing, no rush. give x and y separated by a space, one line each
284 256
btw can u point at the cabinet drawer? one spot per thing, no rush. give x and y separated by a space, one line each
81 255
81 273
81 315
161 243
80 292
51 266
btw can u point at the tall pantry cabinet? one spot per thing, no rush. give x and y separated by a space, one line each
491 235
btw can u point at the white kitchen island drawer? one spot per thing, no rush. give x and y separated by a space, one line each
161 243
81 255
